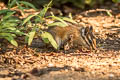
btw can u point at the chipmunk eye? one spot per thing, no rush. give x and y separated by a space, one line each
91 28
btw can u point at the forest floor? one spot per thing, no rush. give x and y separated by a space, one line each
28 63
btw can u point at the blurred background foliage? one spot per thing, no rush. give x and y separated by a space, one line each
77 3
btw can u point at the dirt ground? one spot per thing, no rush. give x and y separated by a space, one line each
27 63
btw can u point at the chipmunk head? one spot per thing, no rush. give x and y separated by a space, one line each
89 38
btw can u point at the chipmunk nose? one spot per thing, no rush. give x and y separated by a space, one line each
92 47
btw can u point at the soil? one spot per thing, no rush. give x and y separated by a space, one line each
28 63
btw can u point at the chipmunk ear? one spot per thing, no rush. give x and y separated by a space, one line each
91 29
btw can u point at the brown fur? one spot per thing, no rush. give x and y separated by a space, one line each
72 36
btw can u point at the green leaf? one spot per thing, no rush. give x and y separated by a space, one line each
13 19
57 24
9 14
12 41
9 25
45 40
3 11
26 38
15 31
46 35
39 19
11 3
31 36
28 19
108 12
11 28
28 4
44 10
69 20
20 7
9 37
19 32
59 19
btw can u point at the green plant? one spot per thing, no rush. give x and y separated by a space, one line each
40 21
20 5
8 25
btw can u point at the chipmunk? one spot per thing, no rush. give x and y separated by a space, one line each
71 36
